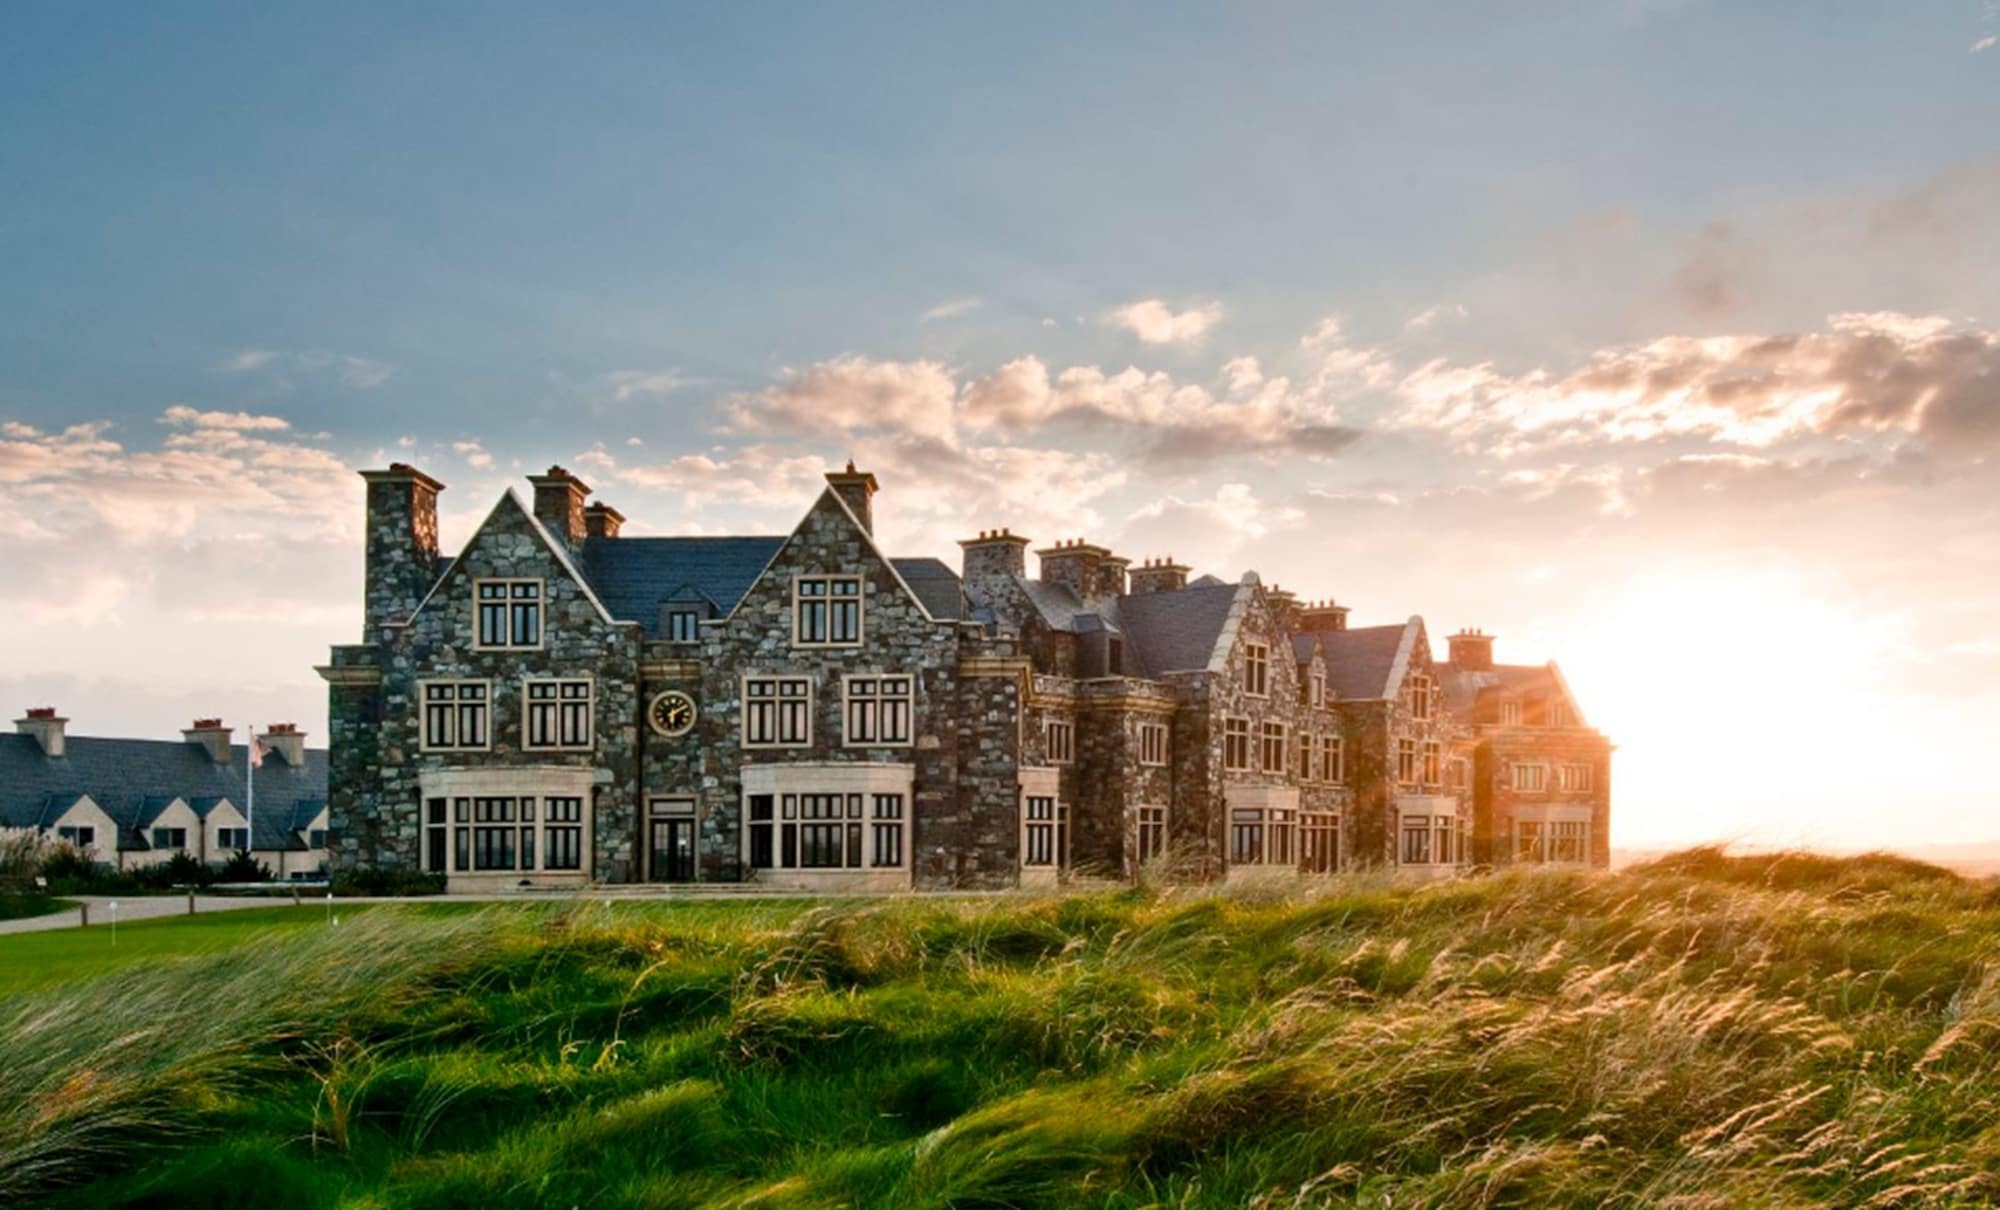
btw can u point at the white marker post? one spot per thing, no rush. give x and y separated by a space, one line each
114 922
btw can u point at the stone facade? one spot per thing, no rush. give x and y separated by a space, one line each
1078 726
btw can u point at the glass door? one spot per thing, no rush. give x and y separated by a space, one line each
671 851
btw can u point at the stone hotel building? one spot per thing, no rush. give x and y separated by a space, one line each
560 704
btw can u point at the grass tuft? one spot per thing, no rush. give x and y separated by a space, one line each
1708 1030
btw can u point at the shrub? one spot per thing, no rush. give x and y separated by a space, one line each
177 871
377 884
242 867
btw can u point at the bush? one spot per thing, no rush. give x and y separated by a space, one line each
241 867
177 871
374 884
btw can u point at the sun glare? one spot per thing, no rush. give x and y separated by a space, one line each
1729 696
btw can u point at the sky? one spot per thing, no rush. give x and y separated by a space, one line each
1660 339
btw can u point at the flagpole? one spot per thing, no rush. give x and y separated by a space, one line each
250 811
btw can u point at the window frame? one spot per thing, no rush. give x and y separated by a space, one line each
1576 777
455 713
1148 733
1540 778
826 602
676 614
1407 761
556 705
1423 697
778 701
1062 754
222 835
1273 747
1509 712
1149 833
1433 762
875 708
1235 731
1257 670
508 606
1332 759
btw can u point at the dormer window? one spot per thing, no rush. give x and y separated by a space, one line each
1256 670
826 611
1559 715
1318 681
510 613
1510 714
683 625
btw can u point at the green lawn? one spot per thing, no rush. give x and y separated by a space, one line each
41 959
1705 1032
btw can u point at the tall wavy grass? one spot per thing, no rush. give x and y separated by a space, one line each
1706 1031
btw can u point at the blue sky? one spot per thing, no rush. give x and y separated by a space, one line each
1066 270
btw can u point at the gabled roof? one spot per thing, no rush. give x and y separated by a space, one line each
1176 631
559 551
1366 663
634 575
133 780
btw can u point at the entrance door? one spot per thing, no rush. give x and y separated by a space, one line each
672 848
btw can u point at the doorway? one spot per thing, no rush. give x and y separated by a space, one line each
671 851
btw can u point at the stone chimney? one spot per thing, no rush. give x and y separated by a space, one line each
1111 576
1159 575
1472 650
1075 565
402 550
1318 617
46 726
1284 607
858 489
992 559
288 742
559 504
602 521
212 735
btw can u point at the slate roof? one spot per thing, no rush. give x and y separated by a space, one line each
633 575
1055 602
1175 631
133 780
1463 686
935 584
1360 661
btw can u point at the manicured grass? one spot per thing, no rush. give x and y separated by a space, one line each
1707 1031
30 960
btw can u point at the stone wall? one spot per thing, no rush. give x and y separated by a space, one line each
375 814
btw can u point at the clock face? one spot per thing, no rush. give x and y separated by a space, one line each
672 713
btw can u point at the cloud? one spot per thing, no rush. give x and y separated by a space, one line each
1430 315
1879 373
854 394
1153 322
951 309
475 455
250 359
361 373
627 385
183 416
1165 420
1985 44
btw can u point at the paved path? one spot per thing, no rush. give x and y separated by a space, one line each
139 907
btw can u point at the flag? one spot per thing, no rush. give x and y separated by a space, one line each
257 750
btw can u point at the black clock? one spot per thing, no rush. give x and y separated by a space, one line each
672 713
